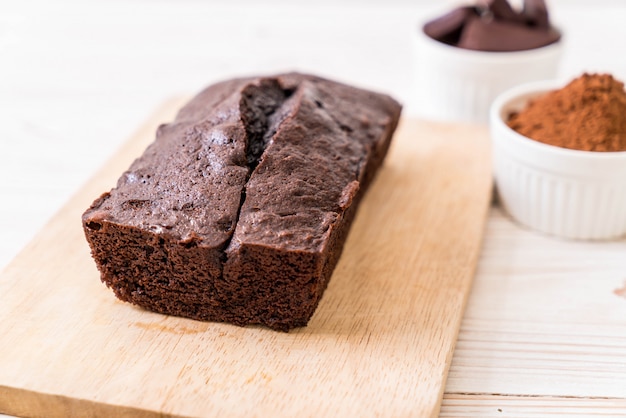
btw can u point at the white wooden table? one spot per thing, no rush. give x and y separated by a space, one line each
545 329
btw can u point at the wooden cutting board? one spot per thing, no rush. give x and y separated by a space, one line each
379 344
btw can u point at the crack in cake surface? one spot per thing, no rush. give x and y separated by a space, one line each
258 107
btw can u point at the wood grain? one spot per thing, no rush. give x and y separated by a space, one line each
491 406
544 332
380 342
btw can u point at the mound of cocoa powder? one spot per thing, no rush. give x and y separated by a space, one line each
588 114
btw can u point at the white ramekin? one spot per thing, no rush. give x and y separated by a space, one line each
557 191
458 85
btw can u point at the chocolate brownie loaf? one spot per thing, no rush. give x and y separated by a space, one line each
239 210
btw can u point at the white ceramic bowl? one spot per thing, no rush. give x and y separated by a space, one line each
558 191
458 85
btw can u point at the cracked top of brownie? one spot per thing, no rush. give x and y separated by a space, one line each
208 176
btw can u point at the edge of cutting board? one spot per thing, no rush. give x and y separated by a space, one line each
381 340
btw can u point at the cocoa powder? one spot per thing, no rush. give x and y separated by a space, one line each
588 114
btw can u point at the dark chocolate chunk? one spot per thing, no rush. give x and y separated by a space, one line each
496 36
447 28
495 26
503 11
536 13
